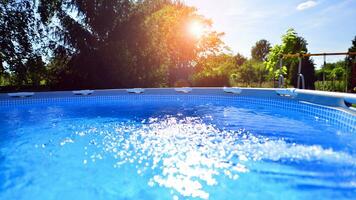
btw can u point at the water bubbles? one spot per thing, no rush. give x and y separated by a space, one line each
66 141
81 133
187 154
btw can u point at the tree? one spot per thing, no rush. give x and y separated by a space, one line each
247 72
123 43
175 45
20 41
261 72
101 58
308 71
58 70
261 50
292 43
351 71
36 71
239 59
214 70
335 74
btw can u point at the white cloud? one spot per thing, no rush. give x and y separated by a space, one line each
306 5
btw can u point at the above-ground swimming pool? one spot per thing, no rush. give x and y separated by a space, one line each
161 144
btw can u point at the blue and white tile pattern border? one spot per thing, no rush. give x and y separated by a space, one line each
329 107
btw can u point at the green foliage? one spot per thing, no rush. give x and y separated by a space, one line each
173 44
273 59
4 79
229 70
351 68
291 44
36 71
335 86
252 71
214 70
261 50
335 76
101 44
146 43
335 71
20 39
239 59
261 72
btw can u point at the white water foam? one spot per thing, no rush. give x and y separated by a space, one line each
187 153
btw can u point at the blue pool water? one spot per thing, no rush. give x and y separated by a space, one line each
206 148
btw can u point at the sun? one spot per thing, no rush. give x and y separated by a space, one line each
196 29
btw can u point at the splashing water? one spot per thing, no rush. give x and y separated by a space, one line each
187 154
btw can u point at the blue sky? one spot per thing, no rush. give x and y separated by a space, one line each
327 25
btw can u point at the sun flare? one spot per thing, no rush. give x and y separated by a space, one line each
196 29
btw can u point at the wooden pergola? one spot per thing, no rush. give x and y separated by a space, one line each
301 81
297 55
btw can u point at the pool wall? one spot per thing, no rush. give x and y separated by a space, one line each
332 99
328 106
